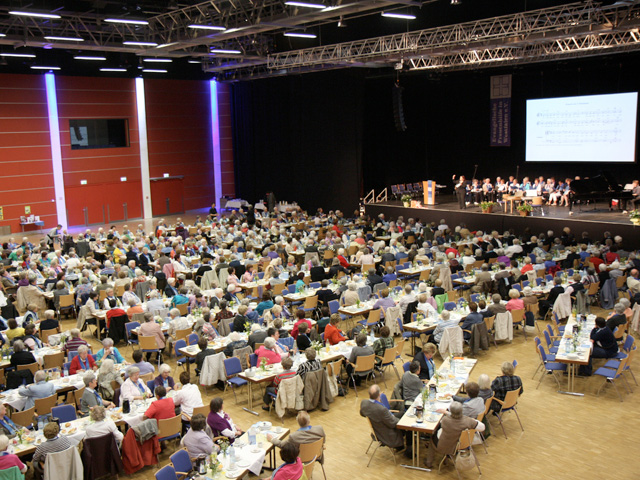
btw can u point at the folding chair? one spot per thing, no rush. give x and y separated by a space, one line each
363 367
464 443
232 367
508 405
374 438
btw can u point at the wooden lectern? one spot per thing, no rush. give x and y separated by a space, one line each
429 190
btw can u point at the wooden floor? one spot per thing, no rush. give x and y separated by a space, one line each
565 437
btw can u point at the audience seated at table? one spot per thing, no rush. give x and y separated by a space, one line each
187 396
14 330
108 351
164 378
360 350
411 384
7 427
142 366
107 374
301 318
382 343
287 372
505 383
236 342
267 352
102 425
292 467
49 322
424 357
82 362
90 397
383 421
220 422
54 443
197 442
473 404
453 423
9 460
311 364
332 335
74 342
604 345
133 388
163 407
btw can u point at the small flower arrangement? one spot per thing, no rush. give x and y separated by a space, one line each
317 346
263 364
224 446
247 328
485 206
634 214
406 198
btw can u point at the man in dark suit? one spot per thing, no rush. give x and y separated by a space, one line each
383 421
237 266
557 289
307 433
317 271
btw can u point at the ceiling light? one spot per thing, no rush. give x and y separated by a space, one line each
33 14
194 61
207 27
18 55
163 45
342 23
305 4
65 39
113 69
230 52
300 35
126 20
2 35
82 57
456 2
42 67
403 16
157 60
140 44
152 70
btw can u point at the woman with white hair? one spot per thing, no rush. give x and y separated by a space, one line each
8 460
267 351
109 351
164 378
236 342
350 297
516 302
106 375
83 362
133 388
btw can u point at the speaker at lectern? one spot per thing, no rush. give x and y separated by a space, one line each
429 189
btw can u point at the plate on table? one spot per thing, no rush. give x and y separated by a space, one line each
239 444
444 398
243 464
573 356
232 474
256 450
264 425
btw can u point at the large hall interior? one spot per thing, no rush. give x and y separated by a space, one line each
319 239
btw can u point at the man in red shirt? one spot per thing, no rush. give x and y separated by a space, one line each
162 408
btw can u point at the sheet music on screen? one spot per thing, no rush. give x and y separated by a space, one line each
588 128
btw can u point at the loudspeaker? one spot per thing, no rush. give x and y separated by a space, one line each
398 111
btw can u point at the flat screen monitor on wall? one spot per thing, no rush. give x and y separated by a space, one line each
590 128
99 133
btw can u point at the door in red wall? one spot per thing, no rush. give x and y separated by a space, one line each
167 195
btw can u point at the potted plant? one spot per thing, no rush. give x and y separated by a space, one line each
487 207
634 216
525 209
406 200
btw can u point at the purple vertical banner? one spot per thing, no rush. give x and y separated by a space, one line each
500 111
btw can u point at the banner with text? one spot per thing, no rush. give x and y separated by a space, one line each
500 111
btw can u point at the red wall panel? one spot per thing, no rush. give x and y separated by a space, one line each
102 168
25 152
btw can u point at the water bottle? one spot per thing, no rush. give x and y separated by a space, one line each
232 454
40 423
66 372
252 436
567 347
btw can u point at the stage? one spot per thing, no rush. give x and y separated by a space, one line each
595 222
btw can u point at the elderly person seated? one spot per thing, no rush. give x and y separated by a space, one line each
74 342
197 442
473 318
360 350
7 427
350 297
617 318
451 426
21 355
516 302
505 383
446 322
106 375
529 298
164 379
267 351
150 328
39 389
425 359
473 405
162 408
49 322
311 364
14 330
109 351
187 396
381 344
144 367
133 388
9 460
30 338
236 342
154 303
220 422
272 390
101 425
425 307
176 323
54 443
83 362
411 383
91 398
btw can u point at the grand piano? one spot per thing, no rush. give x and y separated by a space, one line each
602 187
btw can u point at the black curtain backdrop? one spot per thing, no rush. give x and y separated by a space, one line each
300 136
324 139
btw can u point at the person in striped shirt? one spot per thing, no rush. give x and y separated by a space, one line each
74 342
287 372
312 364
54 443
